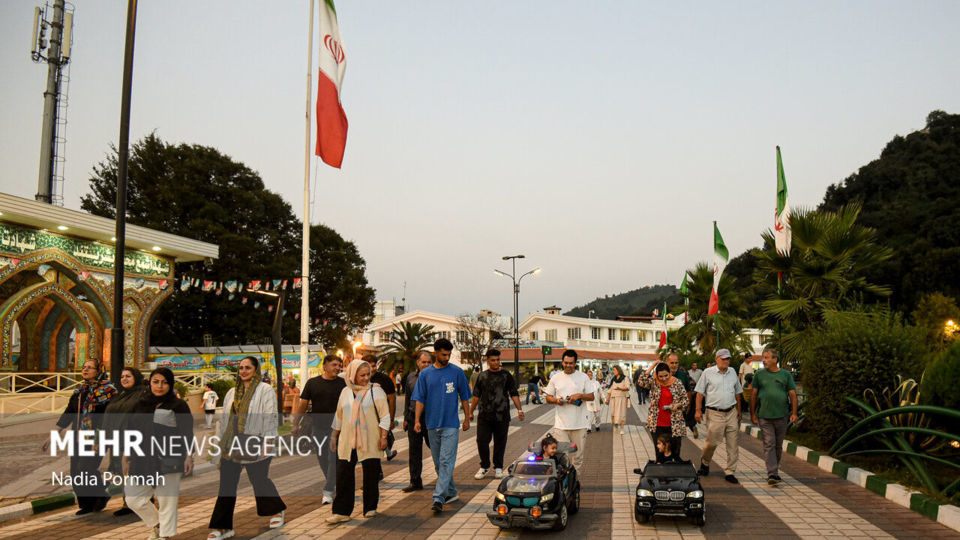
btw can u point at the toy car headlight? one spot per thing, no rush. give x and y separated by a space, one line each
695 494
501 497
546 498
647 493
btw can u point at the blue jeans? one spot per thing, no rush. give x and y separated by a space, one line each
534 391
443 446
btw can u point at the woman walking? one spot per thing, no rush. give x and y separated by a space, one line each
619 398
122 404
668 400
249 412
85 412
359 435
166 424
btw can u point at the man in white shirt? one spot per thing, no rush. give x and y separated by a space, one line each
209 404
694 374
569 390
719 395
745 368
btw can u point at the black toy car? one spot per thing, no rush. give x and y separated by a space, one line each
669 489
538 493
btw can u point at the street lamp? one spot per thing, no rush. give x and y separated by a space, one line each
516 294
276 338
356 344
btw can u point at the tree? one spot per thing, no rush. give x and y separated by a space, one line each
934 314
825 271
407 341
197 192
478 333
711 332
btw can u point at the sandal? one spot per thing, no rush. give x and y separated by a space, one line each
277 521
220 535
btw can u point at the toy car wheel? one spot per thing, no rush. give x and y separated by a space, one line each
641 517
562 516
701 519
575 500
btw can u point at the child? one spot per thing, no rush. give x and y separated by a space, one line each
664 448
548 449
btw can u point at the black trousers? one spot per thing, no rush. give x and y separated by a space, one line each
674 442
417 440
498 431
92 492
347 485
268 500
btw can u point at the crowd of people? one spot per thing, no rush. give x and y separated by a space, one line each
351 409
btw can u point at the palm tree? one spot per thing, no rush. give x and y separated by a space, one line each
824 272
711 332
407 340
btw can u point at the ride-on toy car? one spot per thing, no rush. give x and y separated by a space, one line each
538 493
669 489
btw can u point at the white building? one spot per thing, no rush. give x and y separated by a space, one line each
444 326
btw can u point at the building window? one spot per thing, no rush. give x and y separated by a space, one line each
611 334
594 333
658 334
573 333
764 339
461 336
533 335
550 335
624 335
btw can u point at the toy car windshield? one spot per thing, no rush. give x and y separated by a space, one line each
525 485
669 470
535 468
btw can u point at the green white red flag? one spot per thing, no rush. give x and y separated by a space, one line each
685 293
781 223
331 120
663 335
720 258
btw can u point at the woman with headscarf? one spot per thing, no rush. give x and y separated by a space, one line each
249 414
668 399
359 435
85 412
166 424
619 398
122 404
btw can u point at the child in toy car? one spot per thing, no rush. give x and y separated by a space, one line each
542 489
670 486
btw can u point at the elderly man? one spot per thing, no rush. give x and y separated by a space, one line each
720 393
415 439
777 392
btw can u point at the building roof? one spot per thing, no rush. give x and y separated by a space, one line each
100 229
506 355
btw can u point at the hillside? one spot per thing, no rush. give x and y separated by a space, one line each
640 301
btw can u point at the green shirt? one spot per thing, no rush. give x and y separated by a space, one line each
684 378
773 392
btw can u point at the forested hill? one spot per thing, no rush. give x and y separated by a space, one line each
911 196
641 301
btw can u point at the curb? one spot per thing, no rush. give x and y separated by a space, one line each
55 502
945 514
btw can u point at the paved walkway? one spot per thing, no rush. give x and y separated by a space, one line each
809 504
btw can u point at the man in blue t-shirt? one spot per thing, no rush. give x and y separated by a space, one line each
439 388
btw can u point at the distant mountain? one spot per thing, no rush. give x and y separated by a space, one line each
641 301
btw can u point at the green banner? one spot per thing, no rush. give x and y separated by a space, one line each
20 241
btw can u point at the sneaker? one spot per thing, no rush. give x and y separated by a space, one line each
337 518
731 478
83 511
498 473
154 533
392 455
125 511
481 473
704 470
412 487
437 507
451 499
777 477
326 499
772 480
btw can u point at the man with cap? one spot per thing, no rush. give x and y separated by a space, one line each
719 402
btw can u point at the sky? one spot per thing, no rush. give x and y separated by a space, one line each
600 140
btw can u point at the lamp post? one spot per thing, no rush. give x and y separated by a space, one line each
516 295
276 338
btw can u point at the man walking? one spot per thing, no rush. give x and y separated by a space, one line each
437 392
746 368
673 361
568 390
533 389
719 390
777 392
322 394
694 374
493 390
416 439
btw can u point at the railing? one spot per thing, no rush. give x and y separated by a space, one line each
21 382
47 402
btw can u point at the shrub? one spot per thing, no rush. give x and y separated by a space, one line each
851 353
221 387
939 385
181 389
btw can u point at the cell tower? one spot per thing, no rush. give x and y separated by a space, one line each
58 19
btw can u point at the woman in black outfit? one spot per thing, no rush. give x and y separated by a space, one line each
85 412
122 404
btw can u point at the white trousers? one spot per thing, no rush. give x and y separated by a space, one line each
577 437
138 499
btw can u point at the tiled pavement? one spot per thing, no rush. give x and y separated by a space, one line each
811 503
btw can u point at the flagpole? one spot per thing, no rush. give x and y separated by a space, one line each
305 262
716 328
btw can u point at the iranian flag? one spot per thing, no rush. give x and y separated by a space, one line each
781 223
685 293
331 120
720 258
663 335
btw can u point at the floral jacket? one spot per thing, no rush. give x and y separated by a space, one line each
677 426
